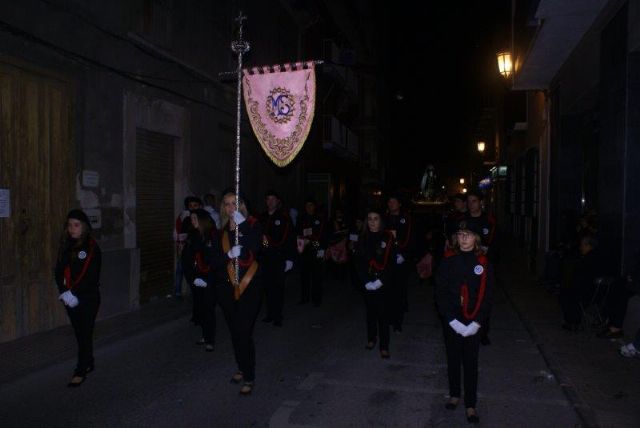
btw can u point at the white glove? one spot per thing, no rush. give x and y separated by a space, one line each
73 301
234 252
69 299
376 284
320 254
199 283
368 286
484 249
458 327
399 259
288 265
471 329
238 218
64 297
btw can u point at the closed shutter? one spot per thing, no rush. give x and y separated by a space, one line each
154 212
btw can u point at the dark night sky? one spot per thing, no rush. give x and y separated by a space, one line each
443 61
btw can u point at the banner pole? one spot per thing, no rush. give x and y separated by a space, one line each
239 47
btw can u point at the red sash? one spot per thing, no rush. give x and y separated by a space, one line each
464 291
67 270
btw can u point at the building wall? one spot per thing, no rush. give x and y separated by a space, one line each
150 65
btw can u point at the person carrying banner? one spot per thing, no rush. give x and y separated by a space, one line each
312 243
240 301
278 253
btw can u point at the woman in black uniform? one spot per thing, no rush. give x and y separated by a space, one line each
199 269
375 257
77 276
464 288
240 301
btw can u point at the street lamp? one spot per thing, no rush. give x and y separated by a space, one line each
462 181
481 146
505 65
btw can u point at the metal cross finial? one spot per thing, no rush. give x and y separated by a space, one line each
240 46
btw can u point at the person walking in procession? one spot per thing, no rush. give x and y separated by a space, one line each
77 275
464 291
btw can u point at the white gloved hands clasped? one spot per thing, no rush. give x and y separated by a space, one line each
373 285
238 218
399 259
320 254
288 265
234 252
69 299
199 283
471 329
458 327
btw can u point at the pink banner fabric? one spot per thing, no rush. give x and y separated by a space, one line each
280 103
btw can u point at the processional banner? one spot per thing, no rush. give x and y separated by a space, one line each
280 102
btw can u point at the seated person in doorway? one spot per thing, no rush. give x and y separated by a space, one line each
579 282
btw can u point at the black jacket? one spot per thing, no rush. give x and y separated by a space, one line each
375 258
251 241
81 267
454 272
319 233
404 229
279 235
198 258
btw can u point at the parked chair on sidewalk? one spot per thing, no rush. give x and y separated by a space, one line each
593 315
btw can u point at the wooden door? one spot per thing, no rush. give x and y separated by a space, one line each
37 166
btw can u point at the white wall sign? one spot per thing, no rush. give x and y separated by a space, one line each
5 203
95 217
90 178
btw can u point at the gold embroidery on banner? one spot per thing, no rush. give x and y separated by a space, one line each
282 151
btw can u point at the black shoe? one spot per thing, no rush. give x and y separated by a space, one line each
484 340
570 327
303 302
277 323
397 329
384 354
608 334
76 380
472 416
90 369
247 388
452 403
370 345
267 319
201 342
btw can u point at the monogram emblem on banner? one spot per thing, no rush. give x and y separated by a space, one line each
280 105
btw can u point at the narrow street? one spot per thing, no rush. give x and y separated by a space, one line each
312 372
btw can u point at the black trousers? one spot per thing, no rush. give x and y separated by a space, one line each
310 277
204 301
615 306
83 320
377 305
241 318
400 294
273 276
462 351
